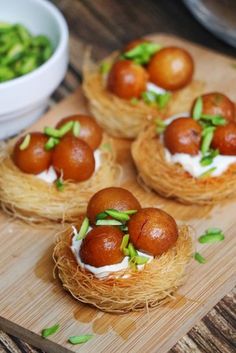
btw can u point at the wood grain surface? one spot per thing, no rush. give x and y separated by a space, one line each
108 24
36 300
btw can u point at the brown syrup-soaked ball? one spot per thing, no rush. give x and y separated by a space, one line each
225 139
171 68
74 159
101 246
111 198
34 159
153 231
127 79
90 131
216 103
134 43
183 135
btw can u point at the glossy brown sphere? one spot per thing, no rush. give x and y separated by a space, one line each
127 79
218 104
90 131
153 231
171 68
111 198
101 246
134 43
34 159
74 159
225 139
183 135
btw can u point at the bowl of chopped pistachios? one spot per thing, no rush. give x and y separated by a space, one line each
33 60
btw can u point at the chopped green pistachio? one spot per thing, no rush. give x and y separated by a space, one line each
25 143
83 229
51 143
101 215
50 131
160 126
79 339
125 251
207 135
142 53
124 242
132 250
76 129
209 157
50 330
197 110
65 128
211 237
216 120
140 260
105 67
59 184
161 100
120 216
108 222
199 258
207 172
130 212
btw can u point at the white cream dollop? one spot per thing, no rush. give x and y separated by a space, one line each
103 271
154 88
192 163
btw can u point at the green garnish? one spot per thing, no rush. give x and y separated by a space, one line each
101 215
50 131
207 135
125 251
208 158
50 330
207 172
25 143
120 216
199 258
130 212
210 236
142 53
51 143
79 339
124 242
160 126
83 229
132 250
60 184
151 97
76 129
105 67
134 101
216 120
197 110
66 128
108 222
140 260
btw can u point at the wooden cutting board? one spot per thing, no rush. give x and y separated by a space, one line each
30 299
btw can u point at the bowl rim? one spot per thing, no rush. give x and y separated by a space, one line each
63 42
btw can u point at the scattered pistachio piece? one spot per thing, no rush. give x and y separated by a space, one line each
25 143
50 330
79 339
83 229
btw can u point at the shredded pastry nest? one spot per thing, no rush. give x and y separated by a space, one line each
119 117
171 180
148 288
34 200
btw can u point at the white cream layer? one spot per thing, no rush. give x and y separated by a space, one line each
50 175
154 88
103 271
192 163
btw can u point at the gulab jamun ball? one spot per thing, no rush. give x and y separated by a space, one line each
224 139
33 159
74 159
183 135
101 246
127 80
171 68
111 198
153 231
90 131
216 103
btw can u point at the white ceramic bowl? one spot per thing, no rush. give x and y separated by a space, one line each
24 99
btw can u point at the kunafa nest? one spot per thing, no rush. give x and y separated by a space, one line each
121 118
34 200
171 180
137 290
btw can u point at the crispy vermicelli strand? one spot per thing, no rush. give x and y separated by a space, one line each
150 287
171 180
27 197
121 118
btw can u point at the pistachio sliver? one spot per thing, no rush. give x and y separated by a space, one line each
76 129
83 229
130 212
211 238
66 128
51 143
126 251
59 184
207 173
50 330
79 339
101 215
132 251
25 143
125 241
108 222
50 131
197 110
140 260
120 216
199 258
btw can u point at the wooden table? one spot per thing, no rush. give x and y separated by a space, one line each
107 25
